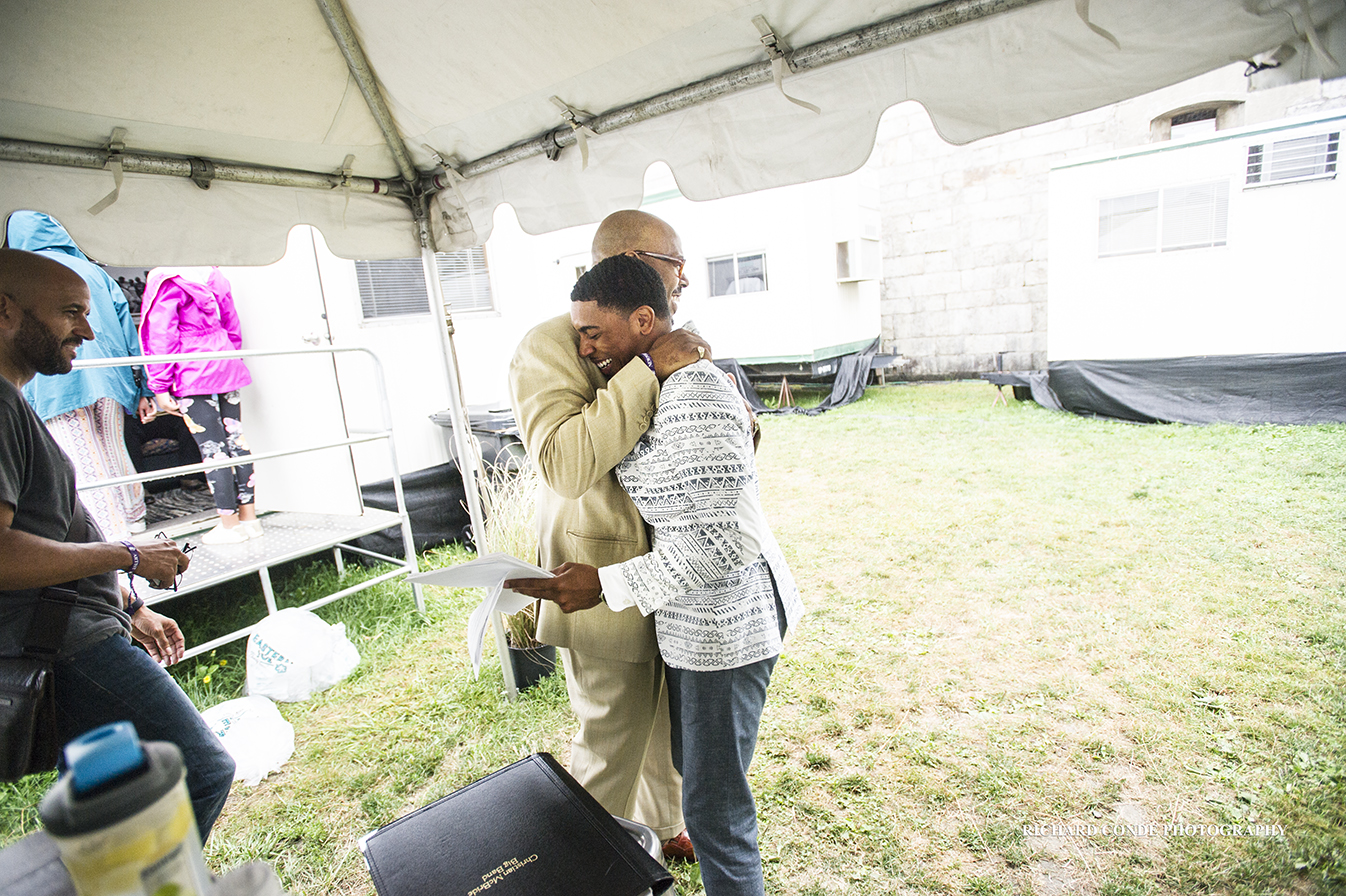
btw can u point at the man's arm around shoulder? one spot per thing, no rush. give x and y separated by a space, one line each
574 432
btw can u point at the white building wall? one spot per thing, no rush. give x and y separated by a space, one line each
1275 287
804 310
292 402
312 294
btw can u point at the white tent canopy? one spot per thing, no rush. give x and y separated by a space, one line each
249 86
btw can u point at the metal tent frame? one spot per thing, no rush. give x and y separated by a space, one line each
416 188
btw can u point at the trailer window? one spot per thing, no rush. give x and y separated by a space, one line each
1193 216
735 274
1196 217
1287 161
1127 224
395 287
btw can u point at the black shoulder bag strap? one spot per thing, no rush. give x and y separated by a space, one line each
51 616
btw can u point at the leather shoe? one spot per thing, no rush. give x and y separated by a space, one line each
680 847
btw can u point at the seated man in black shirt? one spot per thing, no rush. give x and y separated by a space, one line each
100 675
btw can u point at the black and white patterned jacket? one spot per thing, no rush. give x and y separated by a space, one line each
708 576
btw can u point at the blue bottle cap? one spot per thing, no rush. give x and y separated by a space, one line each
102 755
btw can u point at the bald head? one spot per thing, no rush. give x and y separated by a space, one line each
650 240
44 315
629 230
25 274
640 234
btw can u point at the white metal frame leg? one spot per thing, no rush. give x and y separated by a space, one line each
267 591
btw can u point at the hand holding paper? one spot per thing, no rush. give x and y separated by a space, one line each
489 571
575 586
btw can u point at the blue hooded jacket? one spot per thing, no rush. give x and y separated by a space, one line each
109 315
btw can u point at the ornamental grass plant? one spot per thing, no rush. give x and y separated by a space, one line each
509 502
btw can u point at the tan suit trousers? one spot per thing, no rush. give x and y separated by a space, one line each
621 754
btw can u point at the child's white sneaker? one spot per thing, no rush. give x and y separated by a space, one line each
221 535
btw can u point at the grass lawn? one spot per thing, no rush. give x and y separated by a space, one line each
1044 655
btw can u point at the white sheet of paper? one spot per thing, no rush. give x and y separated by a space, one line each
488 571
484 572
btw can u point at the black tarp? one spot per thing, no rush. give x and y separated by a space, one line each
734 369
850 381
1280 388
848 385
434 499
1027 384
1039 386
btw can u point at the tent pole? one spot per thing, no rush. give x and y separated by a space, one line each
467 449
463 442
334 13
465 445
201 170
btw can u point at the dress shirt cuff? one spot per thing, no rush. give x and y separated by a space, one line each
615 592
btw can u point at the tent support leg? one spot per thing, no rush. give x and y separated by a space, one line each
469 452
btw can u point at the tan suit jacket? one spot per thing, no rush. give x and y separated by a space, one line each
577 426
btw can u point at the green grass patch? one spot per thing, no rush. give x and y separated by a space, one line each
1018 619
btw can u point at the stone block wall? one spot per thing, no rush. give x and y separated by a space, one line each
965 243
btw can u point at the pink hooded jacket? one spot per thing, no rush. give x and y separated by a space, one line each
180 316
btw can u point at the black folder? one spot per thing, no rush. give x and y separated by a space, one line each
528 829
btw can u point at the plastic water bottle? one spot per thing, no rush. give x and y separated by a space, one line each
122 820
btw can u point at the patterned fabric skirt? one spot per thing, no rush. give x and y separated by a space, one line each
93 438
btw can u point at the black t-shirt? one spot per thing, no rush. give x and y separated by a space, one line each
38 481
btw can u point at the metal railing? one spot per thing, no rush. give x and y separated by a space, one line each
407 564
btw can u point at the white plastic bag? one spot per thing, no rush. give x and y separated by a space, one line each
254 733
293 653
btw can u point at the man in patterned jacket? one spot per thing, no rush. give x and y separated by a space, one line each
714 578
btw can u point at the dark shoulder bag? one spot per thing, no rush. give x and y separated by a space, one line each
28 742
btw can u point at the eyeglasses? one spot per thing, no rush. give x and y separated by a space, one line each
187 548
676 260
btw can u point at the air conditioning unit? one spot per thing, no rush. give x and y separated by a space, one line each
858 260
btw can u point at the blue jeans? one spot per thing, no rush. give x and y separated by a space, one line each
715 716
116 681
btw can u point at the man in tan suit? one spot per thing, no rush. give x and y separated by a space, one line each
578 421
